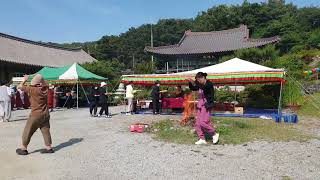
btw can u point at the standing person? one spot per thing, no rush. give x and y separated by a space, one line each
69 99
50 97
204 107
56 97
103 100
5 102
129 96
94 100
19 99
155 93
39 116
179 92
13 96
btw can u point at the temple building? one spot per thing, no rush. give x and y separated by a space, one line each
199 49
20 56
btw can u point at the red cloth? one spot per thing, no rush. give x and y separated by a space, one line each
19 103
223 107
13 102
172 103
26 103
50 98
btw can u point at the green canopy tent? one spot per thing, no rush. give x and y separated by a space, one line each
70 75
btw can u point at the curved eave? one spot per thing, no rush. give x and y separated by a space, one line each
161 49
39 43
20 63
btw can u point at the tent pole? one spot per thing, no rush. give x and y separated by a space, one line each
67 98
235 91
77 94
280 99
85 93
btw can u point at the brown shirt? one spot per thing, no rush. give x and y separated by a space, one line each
38 98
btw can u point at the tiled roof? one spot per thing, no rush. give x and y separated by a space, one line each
22 51
210 42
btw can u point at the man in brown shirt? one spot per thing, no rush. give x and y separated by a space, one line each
39 116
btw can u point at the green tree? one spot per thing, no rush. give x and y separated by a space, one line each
314 39
110 69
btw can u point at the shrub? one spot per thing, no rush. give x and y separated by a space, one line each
145 93
258 55
314 39
224 95
292 63
262 96
292 94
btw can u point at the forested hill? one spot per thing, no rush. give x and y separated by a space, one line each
299 29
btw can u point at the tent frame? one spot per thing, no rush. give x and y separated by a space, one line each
280 100
243 73
77 84
279 108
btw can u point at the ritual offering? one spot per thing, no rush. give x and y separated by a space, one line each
138 127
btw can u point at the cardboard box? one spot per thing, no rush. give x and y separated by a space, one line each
238 110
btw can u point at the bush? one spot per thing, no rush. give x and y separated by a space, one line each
145 93
314 39
258 55
144 68
293 65
224 95
262 96
292 94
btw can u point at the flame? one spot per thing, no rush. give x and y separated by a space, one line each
188 105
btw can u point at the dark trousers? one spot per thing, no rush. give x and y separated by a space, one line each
70 103
155 105
93 107
104 108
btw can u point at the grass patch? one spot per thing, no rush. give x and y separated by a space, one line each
308 109
286 178
232 131
171 131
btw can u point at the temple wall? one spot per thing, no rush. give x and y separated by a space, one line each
9 70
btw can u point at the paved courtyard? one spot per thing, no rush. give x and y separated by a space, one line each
100 148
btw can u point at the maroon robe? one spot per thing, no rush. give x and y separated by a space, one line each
19 103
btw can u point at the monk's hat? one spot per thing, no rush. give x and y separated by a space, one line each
51 86
103 84
37 79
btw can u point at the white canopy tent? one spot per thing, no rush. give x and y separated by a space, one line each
232 65
232 72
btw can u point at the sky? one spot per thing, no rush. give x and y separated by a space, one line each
65 21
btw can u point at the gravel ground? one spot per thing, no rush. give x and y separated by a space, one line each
100 148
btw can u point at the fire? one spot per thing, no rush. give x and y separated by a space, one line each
188 105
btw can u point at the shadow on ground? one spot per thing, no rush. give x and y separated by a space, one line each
63 145
19 119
